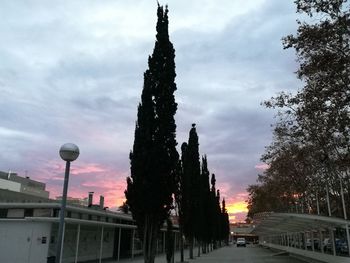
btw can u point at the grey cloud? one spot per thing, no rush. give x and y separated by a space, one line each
71 74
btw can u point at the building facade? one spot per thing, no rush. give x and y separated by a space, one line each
12 182
29 223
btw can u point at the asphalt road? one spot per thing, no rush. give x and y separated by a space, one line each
231 254
249 254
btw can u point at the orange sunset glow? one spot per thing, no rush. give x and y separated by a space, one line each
236 210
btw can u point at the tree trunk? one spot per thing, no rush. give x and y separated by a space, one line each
149 239
204 248
191 247
181 245
199 249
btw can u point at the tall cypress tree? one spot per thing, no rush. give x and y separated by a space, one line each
225 223
154 157
218 217
215 212
205 224
191 188
179 199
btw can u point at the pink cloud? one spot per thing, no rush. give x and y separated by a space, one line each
87 168
262 166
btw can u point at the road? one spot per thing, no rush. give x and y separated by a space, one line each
250 254
231 254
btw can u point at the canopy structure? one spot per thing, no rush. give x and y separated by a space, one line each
270 223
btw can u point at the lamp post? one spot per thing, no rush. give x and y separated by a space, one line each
68 152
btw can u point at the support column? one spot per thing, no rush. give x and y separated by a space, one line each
317 204
119 237
77 245
312 241
101 245
345 215
132 243
347 237
294 241
321 241
328 203
333 241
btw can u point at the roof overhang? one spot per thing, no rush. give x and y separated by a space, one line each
270 223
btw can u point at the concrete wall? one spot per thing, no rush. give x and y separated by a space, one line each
24 242
9 185
8 196
34 191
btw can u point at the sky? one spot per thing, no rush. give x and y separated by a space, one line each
72 71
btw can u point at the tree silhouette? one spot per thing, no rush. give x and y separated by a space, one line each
154 158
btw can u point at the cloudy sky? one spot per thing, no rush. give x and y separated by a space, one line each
72 71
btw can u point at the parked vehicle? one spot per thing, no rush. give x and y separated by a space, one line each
316 243
344 247
241 242
339 243
327 246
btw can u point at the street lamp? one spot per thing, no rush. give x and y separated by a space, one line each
68 152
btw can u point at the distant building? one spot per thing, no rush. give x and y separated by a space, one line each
243 230
27 187
74 200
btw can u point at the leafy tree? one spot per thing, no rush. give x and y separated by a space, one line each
154 158
311 148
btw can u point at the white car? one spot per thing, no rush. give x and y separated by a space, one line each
241 242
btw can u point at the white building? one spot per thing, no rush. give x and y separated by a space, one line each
29 225
28 233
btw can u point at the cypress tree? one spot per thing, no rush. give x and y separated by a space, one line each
154 157
205 208
225 223
218 218
179 199
191 188
215 212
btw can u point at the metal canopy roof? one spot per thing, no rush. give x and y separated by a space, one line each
270 223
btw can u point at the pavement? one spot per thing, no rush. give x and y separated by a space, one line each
229 254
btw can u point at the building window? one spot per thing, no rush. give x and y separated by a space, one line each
28 212
3 213
56 212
